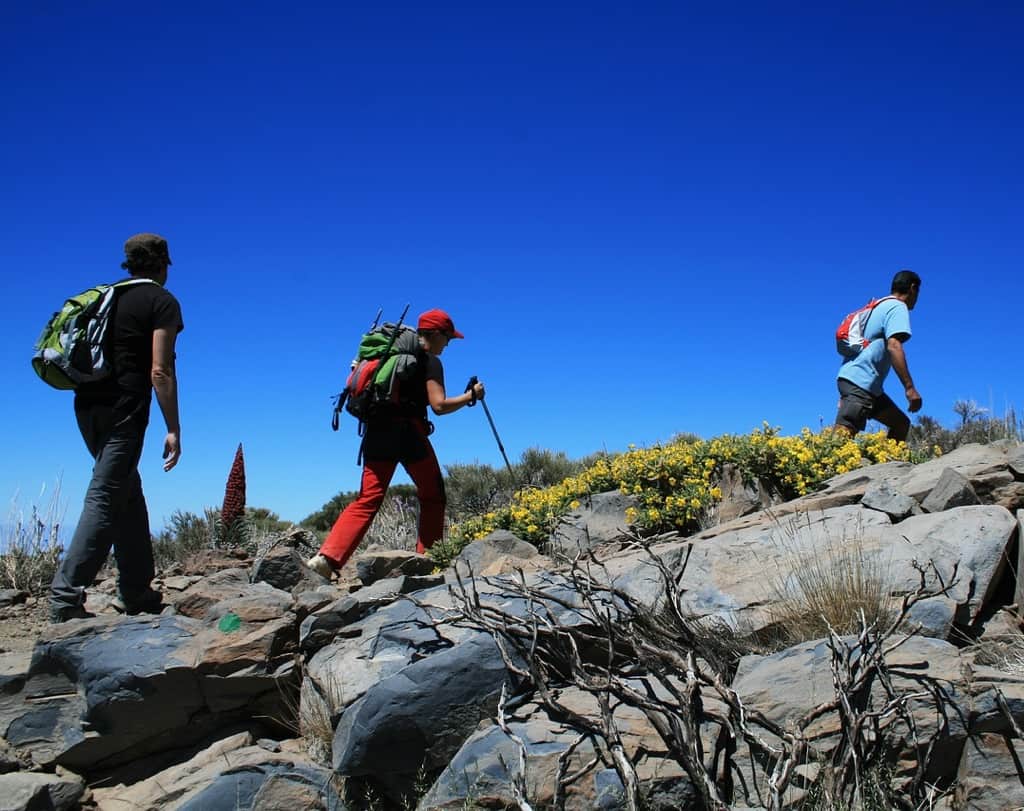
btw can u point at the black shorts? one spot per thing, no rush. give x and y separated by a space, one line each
857 406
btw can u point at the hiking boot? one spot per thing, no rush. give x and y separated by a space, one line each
69 612
321 565
150 601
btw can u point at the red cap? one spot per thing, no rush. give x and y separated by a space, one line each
439 321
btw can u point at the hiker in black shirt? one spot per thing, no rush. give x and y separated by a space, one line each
112 417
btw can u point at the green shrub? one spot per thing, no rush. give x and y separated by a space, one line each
675 484
976 425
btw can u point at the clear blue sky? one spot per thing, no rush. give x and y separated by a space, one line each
647 218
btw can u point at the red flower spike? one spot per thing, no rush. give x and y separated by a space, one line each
234 494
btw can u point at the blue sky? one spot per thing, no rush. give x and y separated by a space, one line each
647 218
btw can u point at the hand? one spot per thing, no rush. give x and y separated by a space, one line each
478 391
913 400
172 450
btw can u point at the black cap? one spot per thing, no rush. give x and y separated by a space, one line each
146 249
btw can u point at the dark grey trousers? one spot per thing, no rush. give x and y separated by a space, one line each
114 513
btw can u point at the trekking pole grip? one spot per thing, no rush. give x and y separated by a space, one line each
472 392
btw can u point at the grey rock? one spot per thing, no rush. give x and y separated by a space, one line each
106 691
971 461
952 490
284 568
740 497
232 773
935 616
599 519
33 791
9 597
308 602
787 685
374 566
884 497
485 767
741 575
222 585
1015 461
1010 496
420 716
988 778
477 556
319 629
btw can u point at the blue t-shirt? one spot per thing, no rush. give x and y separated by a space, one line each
869 369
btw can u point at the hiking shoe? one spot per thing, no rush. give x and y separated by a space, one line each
150 601
321 565
69 612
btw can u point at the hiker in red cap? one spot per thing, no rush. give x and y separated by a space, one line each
401 436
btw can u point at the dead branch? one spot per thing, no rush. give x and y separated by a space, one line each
581 631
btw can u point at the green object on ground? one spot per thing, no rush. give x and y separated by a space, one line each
229 623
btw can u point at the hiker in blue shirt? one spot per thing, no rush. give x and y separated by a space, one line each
860 378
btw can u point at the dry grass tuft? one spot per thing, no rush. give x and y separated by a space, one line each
395 525
319 705
30 546
832 585
1002 653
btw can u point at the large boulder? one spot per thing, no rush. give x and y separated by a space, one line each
786 686
234 772
407 685
742 575
487 767
104 691
419 717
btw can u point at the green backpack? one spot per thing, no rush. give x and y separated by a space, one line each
389 356
72 348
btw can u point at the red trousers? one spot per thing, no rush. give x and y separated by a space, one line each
356 518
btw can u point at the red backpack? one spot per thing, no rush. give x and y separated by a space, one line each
850 338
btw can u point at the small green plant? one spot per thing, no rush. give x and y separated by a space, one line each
876 792
30 546
185 534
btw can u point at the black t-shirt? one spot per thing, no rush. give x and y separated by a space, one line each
139 310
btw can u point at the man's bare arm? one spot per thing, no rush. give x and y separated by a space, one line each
899 363
165 384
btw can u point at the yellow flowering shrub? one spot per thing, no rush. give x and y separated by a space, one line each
676 484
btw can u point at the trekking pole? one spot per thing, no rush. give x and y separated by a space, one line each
469 386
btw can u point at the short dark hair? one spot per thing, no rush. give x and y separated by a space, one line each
903 281
145 253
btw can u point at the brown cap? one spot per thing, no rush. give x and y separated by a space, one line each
146 249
